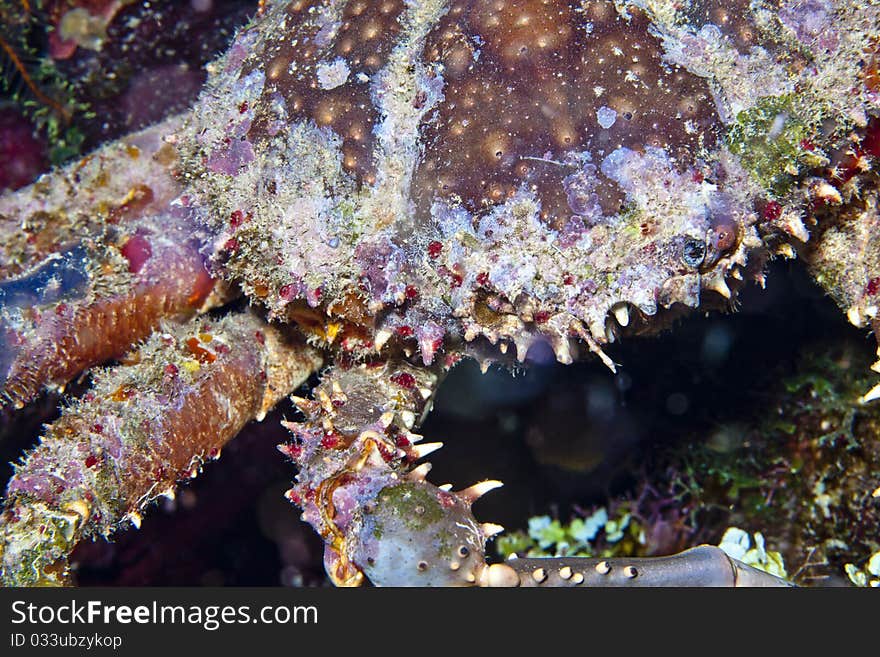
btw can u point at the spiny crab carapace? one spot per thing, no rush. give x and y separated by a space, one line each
396 185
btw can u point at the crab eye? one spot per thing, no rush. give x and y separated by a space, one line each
724 238
693 253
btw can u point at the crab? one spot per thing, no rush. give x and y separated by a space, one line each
379 190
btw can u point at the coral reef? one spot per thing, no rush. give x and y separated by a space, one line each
84 72
800 469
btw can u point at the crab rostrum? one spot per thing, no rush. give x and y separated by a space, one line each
397 185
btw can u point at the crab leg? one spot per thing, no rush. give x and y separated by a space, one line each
356 448
120 182
141 429
360 489
90 303
844 258
705 565
74 305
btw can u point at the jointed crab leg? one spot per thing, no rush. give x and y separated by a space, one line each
88 304
361 490
140 430
118 183
844 258
356 452
134 262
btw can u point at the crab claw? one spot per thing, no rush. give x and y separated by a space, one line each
383 521
418 535
415 534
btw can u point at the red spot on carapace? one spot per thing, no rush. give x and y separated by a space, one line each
411 292
434 249
772 211
243 107
293 451
386 452
260 338
137 251
91 461
404 380
541 317
171 370
483 279
287 292
236 219
435 344
873 286
330 440
404 331
294 497
402 441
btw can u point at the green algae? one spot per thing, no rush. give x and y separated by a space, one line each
415 505
599 534
772 141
